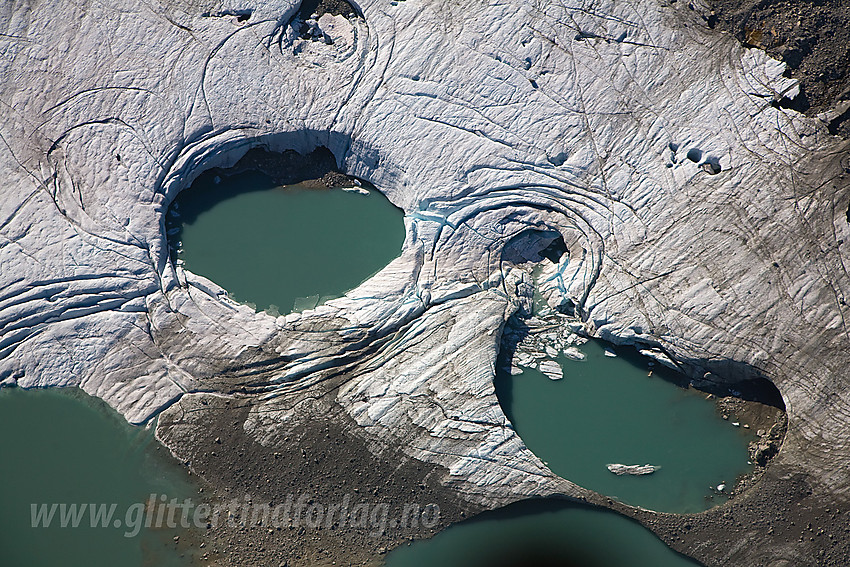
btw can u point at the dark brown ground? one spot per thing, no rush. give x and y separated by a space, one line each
330 464
785 522
320 7
811 36
317 169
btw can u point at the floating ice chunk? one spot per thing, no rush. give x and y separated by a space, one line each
574 353
358 190
551 369
619 469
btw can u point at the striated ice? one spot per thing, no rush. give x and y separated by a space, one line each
551 369
481 121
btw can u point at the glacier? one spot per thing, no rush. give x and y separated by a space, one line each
701 217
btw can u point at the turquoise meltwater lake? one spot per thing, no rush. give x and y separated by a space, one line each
621 410
606 409
64 447
284 248
541 534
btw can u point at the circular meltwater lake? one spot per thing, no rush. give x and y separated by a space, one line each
610 409
283 248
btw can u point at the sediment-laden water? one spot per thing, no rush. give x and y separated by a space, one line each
67 451
283 248
627 410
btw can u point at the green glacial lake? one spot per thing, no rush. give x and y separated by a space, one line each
284 248
608 410
64 447
541 534
605 410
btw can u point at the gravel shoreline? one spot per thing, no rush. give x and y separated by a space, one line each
399 500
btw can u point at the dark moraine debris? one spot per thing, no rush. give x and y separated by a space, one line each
812 38
316 169
315 458
318 8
